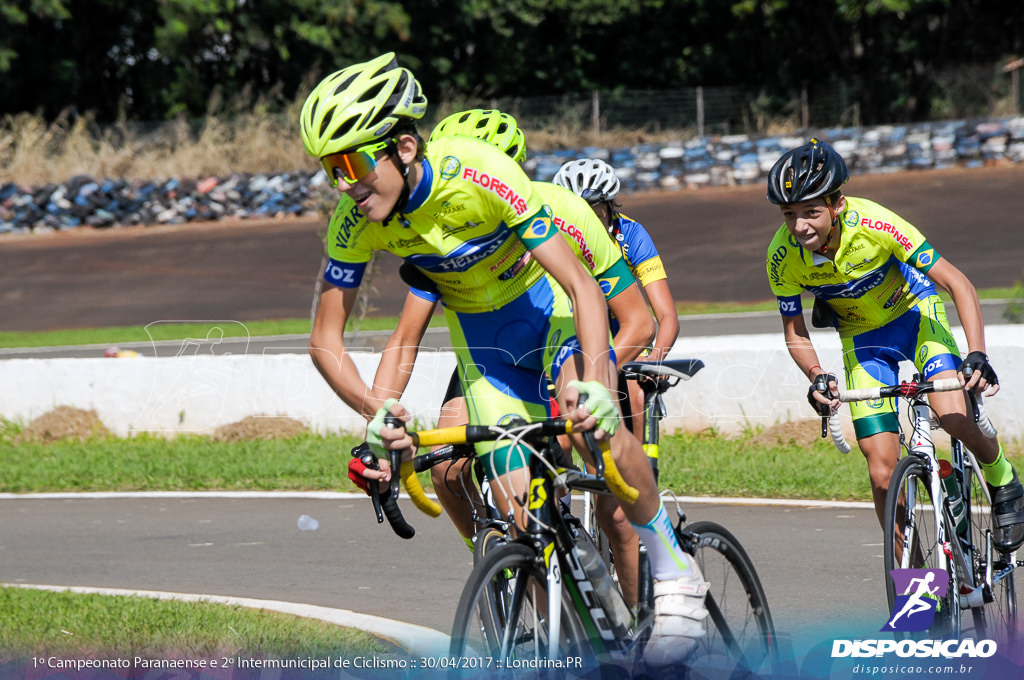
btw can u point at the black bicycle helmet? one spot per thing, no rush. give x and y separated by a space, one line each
809 171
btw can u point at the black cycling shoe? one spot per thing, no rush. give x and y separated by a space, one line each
1008 508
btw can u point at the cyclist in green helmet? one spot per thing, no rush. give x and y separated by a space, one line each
599 254
520 307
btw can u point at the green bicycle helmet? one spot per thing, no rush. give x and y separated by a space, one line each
359 105
814 170
490 125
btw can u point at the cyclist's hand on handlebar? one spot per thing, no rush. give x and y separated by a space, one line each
380 437
975 373
598 409
823 394
361 475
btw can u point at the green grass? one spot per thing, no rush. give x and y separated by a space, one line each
185 463
180 331
37 623
698 464
156 332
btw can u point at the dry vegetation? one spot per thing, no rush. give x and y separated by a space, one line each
65 422
35 152
246 139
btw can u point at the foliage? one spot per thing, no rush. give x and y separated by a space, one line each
1014 312
155 61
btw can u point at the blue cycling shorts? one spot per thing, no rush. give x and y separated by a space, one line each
871 359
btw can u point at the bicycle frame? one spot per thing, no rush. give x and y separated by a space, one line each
957 554
955 549
549 533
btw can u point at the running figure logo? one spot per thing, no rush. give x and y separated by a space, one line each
921 590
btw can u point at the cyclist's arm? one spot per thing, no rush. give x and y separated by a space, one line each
588 307
664 307
327 349
798 342
400 351
965 297
636 325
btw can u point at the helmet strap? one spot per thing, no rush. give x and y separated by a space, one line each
832 228
403 198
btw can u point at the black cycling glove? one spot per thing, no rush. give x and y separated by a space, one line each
978 361
820 384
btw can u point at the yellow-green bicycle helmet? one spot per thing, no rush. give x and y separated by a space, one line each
359 105
490 125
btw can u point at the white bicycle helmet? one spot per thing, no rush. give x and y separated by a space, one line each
590 178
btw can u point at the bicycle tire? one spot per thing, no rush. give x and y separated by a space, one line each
496 616
997 619
910 485
486 539
740 621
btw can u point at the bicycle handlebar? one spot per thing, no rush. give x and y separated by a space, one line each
469 434
907 390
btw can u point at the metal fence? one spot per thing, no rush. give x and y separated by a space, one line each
983 91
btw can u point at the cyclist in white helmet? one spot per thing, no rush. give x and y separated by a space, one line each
596 182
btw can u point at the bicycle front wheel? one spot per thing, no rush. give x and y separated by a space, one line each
910 540
740 621
997 619
503 613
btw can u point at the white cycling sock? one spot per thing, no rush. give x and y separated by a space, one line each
668 561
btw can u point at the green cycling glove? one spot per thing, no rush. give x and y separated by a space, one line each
600 403
373 439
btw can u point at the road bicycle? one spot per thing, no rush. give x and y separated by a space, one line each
543 596
924 528
723 560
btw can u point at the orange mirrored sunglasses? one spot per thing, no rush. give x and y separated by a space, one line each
352 166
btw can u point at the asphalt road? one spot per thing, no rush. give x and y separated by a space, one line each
818 565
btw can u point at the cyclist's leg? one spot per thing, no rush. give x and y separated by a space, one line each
502 375
679 586
937 358
453 480
624 543
872 359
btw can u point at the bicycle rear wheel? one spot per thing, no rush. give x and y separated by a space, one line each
502 613
910 539
998 619
740 621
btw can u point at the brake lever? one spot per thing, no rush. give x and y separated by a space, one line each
366 457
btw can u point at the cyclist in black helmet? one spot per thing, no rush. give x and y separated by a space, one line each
873 276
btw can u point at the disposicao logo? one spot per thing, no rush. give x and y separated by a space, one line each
921 589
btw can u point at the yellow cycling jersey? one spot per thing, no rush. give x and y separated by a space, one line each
878 273
468 225
587 237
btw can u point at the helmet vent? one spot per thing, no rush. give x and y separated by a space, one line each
326 123
343 128
343 85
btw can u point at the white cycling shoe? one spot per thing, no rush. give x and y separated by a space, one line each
679 613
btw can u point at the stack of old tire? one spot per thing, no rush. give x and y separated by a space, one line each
713 160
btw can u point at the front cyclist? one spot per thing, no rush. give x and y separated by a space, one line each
466 215
872 275
600 256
